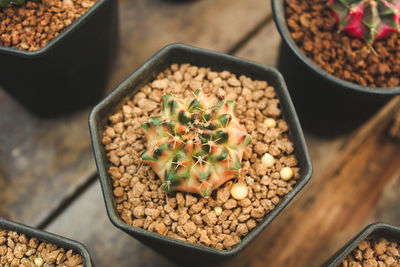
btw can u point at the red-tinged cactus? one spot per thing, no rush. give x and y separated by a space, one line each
368 20
195 146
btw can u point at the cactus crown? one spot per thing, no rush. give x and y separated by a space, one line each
368 20
195 146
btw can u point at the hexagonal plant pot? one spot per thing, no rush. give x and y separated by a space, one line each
60 241
176 250
325 104
70 71
373 230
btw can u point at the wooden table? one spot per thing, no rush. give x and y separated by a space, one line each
48 177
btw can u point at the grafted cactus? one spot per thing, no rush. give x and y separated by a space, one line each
368 20
195 146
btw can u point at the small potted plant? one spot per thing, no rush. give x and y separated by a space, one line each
340 59
55 55
21 245
377 244
198 152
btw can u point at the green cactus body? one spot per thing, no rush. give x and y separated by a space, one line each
195 146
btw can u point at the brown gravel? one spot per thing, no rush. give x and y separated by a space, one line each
375 252
313 28
137 190
34 24
18 250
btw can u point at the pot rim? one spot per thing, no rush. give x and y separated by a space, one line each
48 237
280 22
374 229
118 93
54 42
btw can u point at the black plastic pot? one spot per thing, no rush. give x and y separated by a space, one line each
176 250
372 230
325 104
70 72
60 241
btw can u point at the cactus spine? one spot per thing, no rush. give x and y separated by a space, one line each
195 146
368 20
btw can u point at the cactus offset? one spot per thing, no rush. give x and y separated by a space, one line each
368 20
195 146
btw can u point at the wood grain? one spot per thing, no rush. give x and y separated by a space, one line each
337 204
322 150
44 162
148 25
86 220
263 47
343 198
356 178
388 202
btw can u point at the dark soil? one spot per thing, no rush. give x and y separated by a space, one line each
34 24
313 28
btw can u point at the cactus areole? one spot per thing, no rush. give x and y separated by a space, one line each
368 20
195 146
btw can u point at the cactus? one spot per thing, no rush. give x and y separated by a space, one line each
368 20
194 146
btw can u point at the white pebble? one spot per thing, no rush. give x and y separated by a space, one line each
39 262
268 160
270 123
239 191
286 173
218 210
249 180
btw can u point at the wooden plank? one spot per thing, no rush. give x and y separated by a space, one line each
43 162
344 195
323 151
337 204
388 202
149 25
264 47
86 220
325 215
